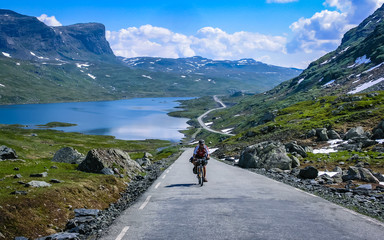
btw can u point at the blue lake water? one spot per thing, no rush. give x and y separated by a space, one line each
131 119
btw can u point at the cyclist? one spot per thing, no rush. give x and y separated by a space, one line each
201 151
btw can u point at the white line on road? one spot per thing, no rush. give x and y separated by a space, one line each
145 203
123 232
157 185
164 176
167 171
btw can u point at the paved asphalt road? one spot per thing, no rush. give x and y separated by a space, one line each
235 204
200 119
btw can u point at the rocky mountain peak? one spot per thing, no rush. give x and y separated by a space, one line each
26 37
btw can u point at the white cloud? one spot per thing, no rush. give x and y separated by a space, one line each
324 30
49 21
209 42
281 1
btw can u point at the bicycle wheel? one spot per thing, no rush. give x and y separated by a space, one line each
200 175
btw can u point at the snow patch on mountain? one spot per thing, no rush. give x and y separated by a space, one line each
91 76
366 85
6 54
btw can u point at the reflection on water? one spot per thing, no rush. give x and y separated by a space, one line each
132 119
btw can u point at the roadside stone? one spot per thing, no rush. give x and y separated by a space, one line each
365 186
44 174
337 178
379 176
38 184
148 155
61 236
338 169
98 159
7 153
81 212
68 155
308 173
266 155
295 161
359 173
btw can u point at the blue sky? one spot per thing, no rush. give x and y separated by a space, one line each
289 33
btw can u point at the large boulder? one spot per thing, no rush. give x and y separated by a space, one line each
357 132
322 134
308 173
7 153
359 173
378 131
97 160
293 147
68 155
332 134
266 155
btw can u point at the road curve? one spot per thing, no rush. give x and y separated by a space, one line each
235 204
201 122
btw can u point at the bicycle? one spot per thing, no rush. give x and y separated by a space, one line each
200 170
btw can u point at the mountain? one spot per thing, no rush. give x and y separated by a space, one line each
27 38
75 63
261 75
355 67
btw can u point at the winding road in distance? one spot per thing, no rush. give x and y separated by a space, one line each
235 204
201 122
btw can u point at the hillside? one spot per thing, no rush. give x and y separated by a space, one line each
75 63
356 66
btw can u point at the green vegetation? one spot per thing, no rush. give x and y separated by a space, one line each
46 210
57 124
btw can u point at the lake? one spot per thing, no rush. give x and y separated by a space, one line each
130 119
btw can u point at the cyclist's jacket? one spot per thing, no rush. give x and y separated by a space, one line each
201 152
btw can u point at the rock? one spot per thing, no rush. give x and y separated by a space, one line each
38 184
19 193
337 178
98 159
295 162
148 155
276 170
82 212
355 132
308 173
68 155
311 133
359 173
332 134
379 176
378 131
144 162
265 155
268 117
17 176
378 134
16 169
322 135
55 181
293 147
107 171
61 236
338 169
44 174
7 153
365 186
21 238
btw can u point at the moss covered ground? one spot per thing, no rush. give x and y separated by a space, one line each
44 211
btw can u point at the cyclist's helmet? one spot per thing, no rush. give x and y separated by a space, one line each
201 141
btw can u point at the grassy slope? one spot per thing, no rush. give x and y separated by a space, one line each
46 210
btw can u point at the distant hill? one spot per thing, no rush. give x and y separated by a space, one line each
261 75
75 63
